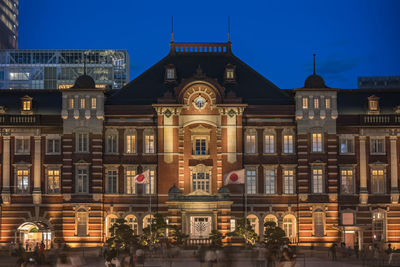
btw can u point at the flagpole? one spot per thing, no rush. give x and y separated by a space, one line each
245 212
151 219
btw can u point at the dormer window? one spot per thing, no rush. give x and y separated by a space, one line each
170 73
2 109
230 73
373 104
26 104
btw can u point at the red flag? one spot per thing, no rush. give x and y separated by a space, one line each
234 177
142 178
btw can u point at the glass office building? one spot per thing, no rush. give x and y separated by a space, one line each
56 69
9 24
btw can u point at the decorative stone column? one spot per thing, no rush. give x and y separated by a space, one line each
363 172
311 107
231 136
37 192
6 170
394 194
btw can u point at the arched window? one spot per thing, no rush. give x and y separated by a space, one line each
378 226
147 220
110 220
81 222
253 219
319 228
289 226
132 221
270 218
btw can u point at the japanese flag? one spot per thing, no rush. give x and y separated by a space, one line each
234 177
142 178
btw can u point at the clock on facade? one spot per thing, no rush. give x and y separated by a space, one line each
200 102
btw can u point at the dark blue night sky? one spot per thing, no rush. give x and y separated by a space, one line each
276 38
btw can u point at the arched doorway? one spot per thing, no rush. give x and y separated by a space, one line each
31 233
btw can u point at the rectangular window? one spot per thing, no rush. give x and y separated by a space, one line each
82 181
251 181
305 103
373 105
317 181
150 187
348 218
269 144
229 74
233 225
170 73
112 181
53 146
149 144
346 145
288 181
319 223
378 181
269 181
130 144
81 223
250 143
377 145
82 103
327 103
347 185
26 105
316 142
130 182
82 142
22 145
316 102
53 181
200 146
22 181
94 103
71 103
288 144
201 181
111 144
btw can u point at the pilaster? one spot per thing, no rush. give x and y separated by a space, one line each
394 194
363 172
37 194
6 170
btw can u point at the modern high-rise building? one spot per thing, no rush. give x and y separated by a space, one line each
379 82
9 24
58 69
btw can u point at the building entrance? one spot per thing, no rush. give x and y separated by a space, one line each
29 234
200 226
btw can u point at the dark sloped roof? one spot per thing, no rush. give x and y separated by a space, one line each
250 85
44 102
355 101
84 82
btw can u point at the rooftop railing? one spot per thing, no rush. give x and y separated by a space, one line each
22 120
212 48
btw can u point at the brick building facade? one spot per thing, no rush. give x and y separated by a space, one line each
321 162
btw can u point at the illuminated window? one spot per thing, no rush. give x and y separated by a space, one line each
26 105
305 103
112 181
94 103
53 180
110 221
82 180
289 226
288 144
130 143
269 144
149 143
377 145
82 103
253 220
71 103
201 181
288 181
22 181
22 145
378 226
346 145
130 173
316 102
373 103
378 180
327 103
318 223
132 221
347 177
250 141
230 73
81 222
269 181
317 180
82 142
233 225
317 142
251 180
151 186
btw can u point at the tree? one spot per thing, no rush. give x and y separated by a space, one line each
121 235
274 238
177 235
153 233
245 231
216 239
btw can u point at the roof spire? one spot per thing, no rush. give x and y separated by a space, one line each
172 29
314 64
229 29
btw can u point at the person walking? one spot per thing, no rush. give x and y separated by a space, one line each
333 251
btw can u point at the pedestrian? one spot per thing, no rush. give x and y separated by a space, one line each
333 251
